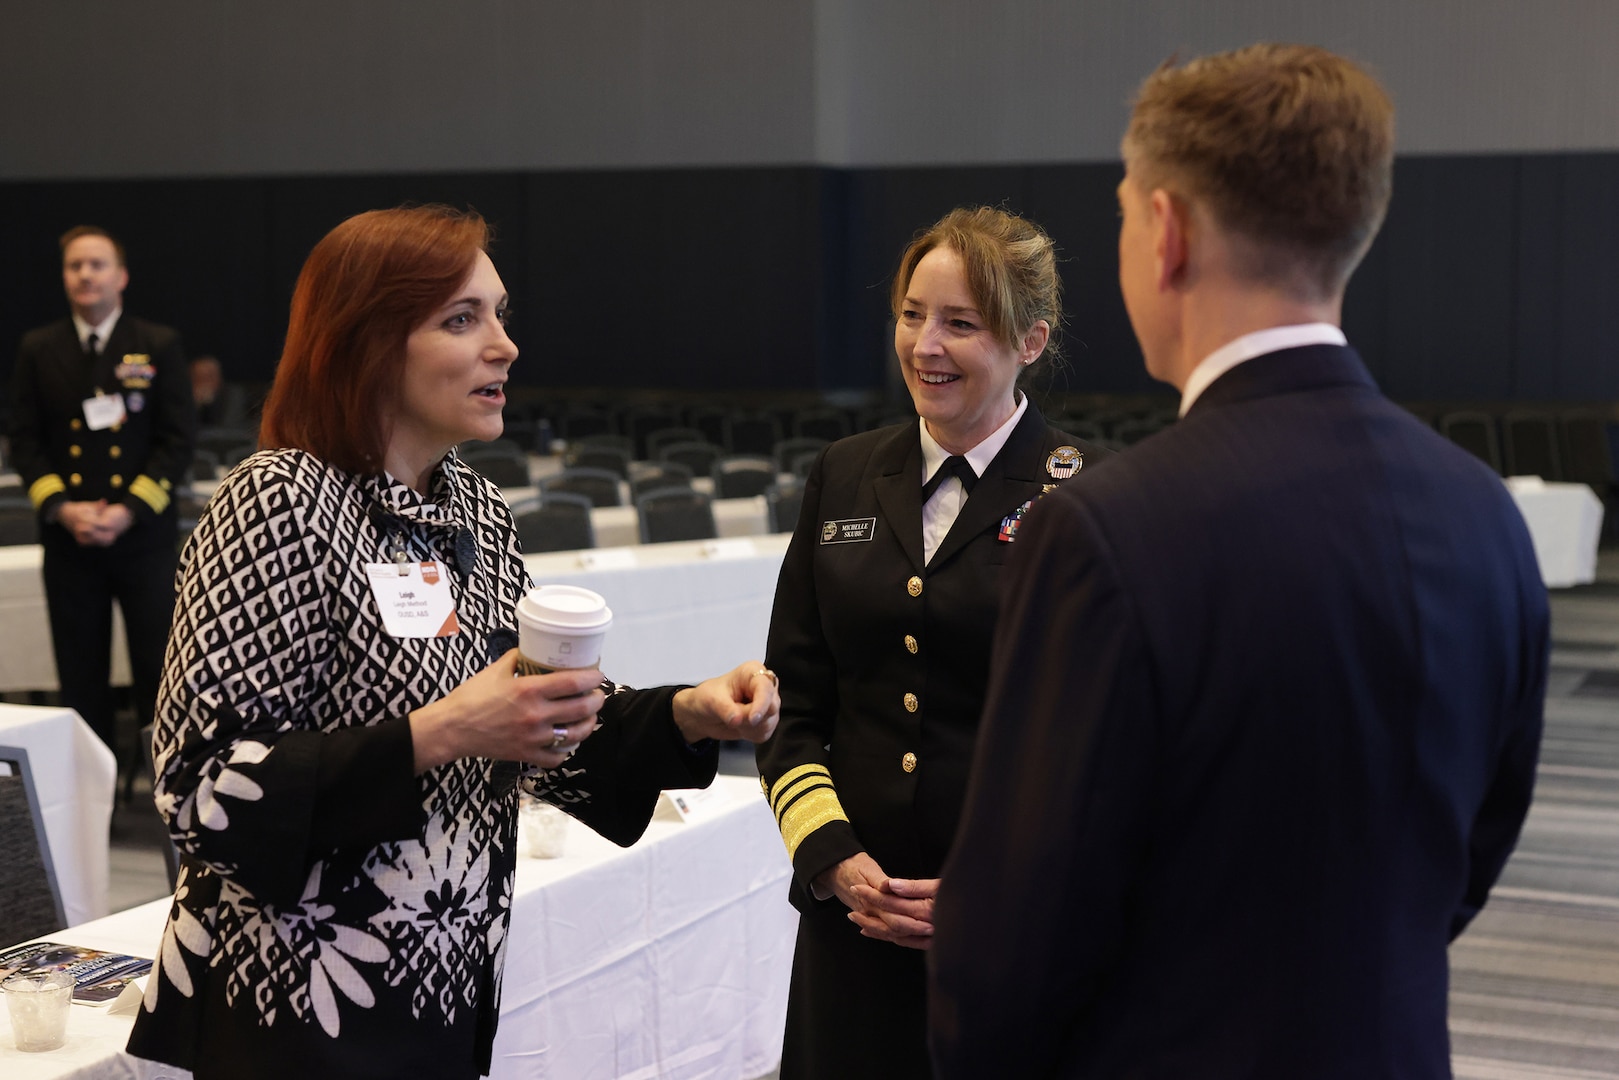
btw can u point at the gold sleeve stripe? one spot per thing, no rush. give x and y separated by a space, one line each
790 778
43 488
148 491
817 807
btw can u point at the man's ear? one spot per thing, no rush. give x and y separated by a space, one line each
1171 219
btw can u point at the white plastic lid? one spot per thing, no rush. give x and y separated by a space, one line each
567 606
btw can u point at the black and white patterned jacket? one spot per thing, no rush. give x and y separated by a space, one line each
335 911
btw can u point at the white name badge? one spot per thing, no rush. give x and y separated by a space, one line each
414 599
103 411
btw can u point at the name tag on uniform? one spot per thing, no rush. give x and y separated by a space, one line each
414 599
103 411
848 531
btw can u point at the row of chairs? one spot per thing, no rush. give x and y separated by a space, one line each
505 463
737 431
1578 446
559 519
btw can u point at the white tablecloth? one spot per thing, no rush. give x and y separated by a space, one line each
26 660
74 776
666 960
679 615
1565 524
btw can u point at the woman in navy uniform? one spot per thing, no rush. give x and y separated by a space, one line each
881 635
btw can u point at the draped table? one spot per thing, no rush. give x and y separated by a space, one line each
74 775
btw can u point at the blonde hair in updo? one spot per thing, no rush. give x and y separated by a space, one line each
1011 267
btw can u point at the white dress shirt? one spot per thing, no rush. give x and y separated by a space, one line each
939 513
101 329
1248 346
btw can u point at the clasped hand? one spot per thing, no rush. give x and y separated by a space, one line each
95 524
897 910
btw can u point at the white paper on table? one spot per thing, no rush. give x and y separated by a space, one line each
128 1003
690 804
607 559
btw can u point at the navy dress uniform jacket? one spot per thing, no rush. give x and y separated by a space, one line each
139 462
883 664
1262 731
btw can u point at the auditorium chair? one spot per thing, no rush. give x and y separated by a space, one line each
600 486
671 514
751 432
503 462
651 476
1531 445
825 423
699 457
742 476
556 521
1475 433
657 440
786 451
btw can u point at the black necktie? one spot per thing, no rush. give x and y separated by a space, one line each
956 466
90 345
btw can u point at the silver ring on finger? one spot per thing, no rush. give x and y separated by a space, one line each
559 735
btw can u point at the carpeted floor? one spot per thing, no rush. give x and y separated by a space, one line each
1535 980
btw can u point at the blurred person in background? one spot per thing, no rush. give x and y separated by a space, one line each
101 432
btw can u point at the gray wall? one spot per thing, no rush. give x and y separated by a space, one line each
108 88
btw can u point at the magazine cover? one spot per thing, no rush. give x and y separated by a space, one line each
98 976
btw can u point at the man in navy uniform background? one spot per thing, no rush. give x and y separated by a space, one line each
102 429
1268 688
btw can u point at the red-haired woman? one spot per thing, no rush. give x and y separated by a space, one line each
341 785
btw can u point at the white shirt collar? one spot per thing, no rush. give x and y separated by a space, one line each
102 329
1248 346
979 457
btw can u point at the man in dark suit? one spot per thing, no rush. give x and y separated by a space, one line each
1267 694
102 430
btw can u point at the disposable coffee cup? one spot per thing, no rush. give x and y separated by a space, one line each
559 627
39 1005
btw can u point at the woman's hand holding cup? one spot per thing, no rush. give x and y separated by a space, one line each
539 719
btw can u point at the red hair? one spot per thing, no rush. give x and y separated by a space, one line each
367 285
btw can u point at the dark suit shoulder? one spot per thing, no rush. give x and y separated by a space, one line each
41 337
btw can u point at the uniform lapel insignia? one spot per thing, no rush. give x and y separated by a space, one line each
1064 462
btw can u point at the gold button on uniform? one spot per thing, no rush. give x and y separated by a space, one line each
911 703
117 427
75 423
75 450
914 586
115 451
115 480
908 762
75 479
910 644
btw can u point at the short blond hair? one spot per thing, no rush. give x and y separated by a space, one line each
1289 147
1011 268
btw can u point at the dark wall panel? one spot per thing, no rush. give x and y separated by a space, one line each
1493 277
